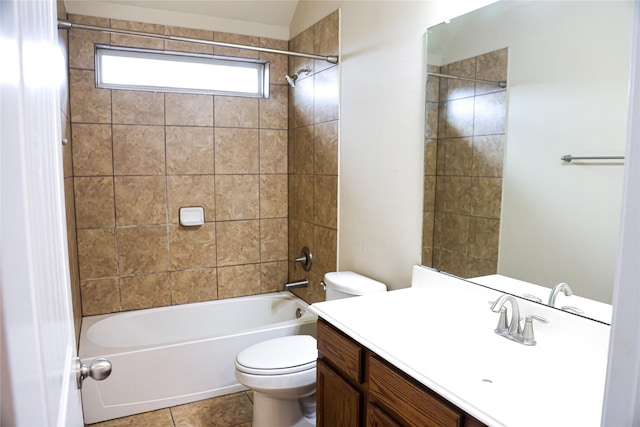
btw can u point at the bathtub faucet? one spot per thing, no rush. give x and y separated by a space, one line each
297 284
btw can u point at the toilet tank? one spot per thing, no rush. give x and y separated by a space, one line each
344 284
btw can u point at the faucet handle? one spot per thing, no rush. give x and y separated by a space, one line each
528 337
503 324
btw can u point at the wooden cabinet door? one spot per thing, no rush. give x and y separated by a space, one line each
338 402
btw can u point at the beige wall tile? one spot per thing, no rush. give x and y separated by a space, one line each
138 107
237 197
94 202
134 41
278 64
87 103
483 238
453 262
273 239
194 286
456 237
273 276
301 150
140 200
325 242
189 150
92 150
236 151
303 42
273 151
81 47
238 242
430 154
97 253
100 296
432 120
192 247
325 148
188 33
300 235
491 66
460 118
89 20
138 150
191 190
236 39
274 112
236 112
489 117
486 197
229 410
488 155
458 156
146 291
185 109
325 193
326 95
301 197
238 280
273 196
301 109
326 38
142 250
457 194
457 89
481 267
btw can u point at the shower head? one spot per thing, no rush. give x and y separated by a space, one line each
293 78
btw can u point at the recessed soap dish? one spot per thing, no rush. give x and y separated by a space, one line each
192 216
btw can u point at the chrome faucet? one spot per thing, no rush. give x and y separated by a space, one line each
560 287
513 329
509 329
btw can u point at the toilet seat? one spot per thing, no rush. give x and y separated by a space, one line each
279 356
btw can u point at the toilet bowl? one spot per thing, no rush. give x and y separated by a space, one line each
282 371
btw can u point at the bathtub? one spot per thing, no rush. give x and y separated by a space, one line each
168 356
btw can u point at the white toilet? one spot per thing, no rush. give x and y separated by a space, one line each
282 371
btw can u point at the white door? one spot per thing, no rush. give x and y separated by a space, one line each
38 340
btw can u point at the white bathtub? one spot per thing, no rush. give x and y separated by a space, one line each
168 356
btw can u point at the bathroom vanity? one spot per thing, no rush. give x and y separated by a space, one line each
428 355
356 387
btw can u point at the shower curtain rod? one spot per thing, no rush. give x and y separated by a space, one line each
65 25
502 83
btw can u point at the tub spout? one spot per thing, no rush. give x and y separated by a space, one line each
297 284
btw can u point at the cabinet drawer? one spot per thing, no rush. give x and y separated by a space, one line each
377 418
340 351
412 404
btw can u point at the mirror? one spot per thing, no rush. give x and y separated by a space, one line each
498 197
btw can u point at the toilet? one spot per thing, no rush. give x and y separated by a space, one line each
282 371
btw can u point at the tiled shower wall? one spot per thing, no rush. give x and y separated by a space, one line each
313 155
463 166
140 156
63 37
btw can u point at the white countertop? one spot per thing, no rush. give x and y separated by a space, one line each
440 332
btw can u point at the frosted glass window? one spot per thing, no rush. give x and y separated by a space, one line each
173 72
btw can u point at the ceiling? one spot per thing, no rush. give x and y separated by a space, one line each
271 12
265 18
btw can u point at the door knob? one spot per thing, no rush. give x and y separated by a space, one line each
99 369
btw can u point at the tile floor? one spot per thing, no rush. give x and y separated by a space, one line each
233 410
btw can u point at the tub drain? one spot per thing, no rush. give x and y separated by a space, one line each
298 313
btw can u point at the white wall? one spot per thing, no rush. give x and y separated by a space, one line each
381 129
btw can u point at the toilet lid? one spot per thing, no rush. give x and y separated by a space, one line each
279 356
